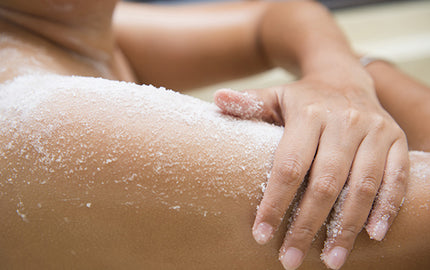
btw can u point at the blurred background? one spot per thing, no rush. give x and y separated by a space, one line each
396 30
329 3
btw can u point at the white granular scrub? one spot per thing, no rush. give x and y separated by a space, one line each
21 211
420 169
263 187
159 126
334 226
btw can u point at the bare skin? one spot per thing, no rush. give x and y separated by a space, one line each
191 46
85 245
327 120
101 201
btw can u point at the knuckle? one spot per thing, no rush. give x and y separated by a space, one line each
396 127
272 116
290 171
398 132
368 186
402 134
273 208
379 122
326 188
352 117
303 233
399 175
337 160
312 111
349 232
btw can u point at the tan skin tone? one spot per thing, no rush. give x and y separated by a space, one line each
330 121
127 245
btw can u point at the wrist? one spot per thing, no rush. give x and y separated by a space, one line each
341 70
343 74
333 60
368 60
384 76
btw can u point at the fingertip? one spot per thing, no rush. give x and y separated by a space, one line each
222 96
380 219
292 258
262 233
391 194
377 230
335 258
223 93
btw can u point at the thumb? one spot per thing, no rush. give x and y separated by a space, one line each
239 104
250 104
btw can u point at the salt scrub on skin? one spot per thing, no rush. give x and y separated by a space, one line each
334 227
378 223
75 128
334 257
26 65
420 171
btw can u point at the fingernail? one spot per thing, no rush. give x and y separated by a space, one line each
292 259
263 233
380 230
336 257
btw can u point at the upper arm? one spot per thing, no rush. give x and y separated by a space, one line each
188 46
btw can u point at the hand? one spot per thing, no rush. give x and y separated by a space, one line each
348 142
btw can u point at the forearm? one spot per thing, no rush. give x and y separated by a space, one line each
302 36
183 47
406 99
187 46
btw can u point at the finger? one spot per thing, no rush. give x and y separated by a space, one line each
292 160
240 104
392 191
328 175
258 104
355 202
